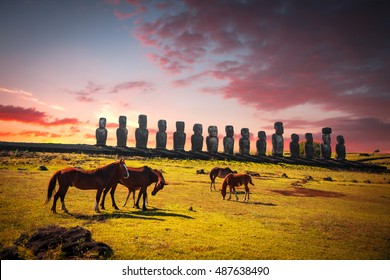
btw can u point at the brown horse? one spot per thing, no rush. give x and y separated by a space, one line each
234 180
139 179
219 172
105 177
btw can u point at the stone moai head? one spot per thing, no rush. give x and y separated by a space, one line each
102 122
279 129
229 131
180 126
122 121
245 133
198 129
340 140
162 125
295 138
326 132
262 135
309 137
213 131
142 121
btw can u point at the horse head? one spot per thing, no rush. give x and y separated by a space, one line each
160 182
123 171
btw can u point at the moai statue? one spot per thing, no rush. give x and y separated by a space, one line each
244 143
261 144
326 149
294 146
161 135
228 140
340 148
101 133
179 137
121 132
309 147
212 140
197 138
277 140
141 133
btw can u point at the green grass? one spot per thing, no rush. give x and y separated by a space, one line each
346 218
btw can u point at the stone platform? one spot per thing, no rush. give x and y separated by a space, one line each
150 153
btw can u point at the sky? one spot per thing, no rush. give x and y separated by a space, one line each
308 64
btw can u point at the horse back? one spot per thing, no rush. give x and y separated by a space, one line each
86 179
238 179
138 177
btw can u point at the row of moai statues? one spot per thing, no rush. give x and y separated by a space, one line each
212 141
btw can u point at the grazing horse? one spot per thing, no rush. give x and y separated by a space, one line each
139 179
234 180
219 172
105 177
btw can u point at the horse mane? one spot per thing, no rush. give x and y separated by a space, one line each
105 168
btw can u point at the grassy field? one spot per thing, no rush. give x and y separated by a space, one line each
295 212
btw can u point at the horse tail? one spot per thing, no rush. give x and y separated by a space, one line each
211 174
52 185
250 180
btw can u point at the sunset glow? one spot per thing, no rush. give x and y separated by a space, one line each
308 64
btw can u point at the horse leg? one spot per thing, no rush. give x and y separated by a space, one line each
136 205
98 195
230 193
103 198
235 192
112 192
211 184
127 198
246 193
56 196
145 195
62 197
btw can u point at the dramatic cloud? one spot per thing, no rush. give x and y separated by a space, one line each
279 54
132 86
32 116
93 91
25 95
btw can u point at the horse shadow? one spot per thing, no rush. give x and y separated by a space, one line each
255 203
107 216
154 212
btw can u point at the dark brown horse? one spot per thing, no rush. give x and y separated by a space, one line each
219 172
139 179
102 178
235 180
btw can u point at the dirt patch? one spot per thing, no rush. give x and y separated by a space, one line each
305 192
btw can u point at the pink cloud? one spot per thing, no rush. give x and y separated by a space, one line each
275 55
32 116
137 86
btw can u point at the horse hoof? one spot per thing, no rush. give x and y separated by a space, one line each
116 208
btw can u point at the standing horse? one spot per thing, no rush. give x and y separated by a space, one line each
235 180
105 177
139 179
219 172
